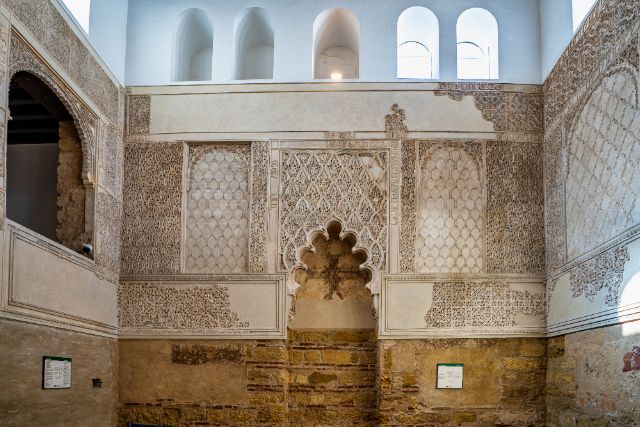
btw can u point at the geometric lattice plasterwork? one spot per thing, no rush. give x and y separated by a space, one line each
605 271
603 182
152 306
450 213
217 216
460 305
320 186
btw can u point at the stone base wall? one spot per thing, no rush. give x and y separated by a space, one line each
504 382
326 377
593 378
23 402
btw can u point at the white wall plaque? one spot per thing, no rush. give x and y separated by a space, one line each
56 372
450 375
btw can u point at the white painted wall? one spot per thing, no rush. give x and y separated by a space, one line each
108 33
150 24
556 31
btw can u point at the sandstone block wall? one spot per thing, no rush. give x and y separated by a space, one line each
593 378
504 382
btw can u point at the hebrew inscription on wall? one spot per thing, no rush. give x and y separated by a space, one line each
320 186
217 217
603 179
450 213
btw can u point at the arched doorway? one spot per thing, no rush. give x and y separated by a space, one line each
45 190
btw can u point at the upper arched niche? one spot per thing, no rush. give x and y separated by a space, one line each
418 44
336 45
478 52
193 51
254 45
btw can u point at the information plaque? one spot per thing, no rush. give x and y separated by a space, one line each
56 372
450 375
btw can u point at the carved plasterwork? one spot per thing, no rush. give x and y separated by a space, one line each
554 202
24 58
318 186
479 305
152 306
601 35
152 208
510 112
56 36
605 271
111 159
603 179
217 209
451 209
108 231
515 208
138 114
258 209
394 123
409 156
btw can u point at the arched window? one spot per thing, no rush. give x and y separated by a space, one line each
193 51
45 191
581 9
80 9
254 45
418 44
336 44
478 54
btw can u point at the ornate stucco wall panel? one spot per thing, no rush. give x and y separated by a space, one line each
217 209
449 237
238 306
419 306
603 179
152 208
323 185
515 208
592 147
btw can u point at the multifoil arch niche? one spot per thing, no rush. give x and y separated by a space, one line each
333 254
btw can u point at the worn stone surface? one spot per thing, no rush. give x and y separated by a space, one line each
504 382
70 229
590 380
23 402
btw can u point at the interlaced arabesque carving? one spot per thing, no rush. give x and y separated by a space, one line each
23 58
138 114
478 305
217 217
603 179
155 306
605 271
451 207
515 207
56 36
152 208
4 58
320 186
258 214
